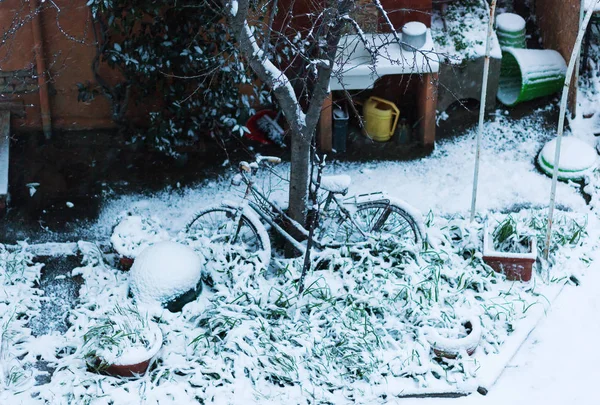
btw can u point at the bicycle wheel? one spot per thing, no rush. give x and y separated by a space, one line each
377 219
220 226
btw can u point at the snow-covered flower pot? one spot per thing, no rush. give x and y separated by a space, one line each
515 263
123 344
450 345
135 362
132 235
166 274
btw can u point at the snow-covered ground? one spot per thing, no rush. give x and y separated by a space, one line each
557 363
440 182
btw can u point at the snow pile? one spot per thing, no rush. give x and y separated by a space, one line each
336 184
165 271
135 233
592 189
460 32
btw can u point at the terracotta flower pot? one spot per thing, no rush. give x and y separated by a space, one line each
451 347
515 266
125 263
133 363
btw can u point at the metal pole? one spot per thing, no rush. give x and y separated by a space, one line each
561 120
486 70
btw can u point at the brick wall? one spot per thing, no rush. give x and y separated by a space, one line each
69 49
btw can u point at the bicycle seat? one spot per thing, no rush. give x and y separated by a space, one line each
336 184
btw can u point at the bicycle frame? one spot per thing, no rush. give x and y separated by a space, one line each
273 213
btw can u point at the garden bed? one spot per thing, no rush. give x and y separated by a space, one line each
357 334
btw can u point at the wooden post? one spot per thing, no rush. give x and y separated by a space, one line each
426 109
40 64
326 126
4 153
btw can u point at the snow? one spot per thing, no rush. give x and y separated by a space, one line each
336 184
414 28
135 233
460 33
592 4
437 183
346 340
453 345
356 68
234 8
164 271
510 22
488 247
576 158
136 354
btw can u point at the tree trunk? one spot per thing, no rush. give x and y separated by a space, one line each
299 177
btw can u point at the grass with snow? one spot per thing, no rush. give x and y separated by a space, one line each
356 335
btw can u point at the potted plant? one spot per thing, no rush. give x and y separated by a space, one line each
449 340
509 251
123 343
132 235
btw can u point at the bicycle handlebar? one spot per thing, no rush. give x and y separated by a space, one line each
247 167
269 159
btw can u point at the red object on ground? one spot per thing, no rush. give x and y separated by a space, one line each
125 263
257 134
128 370
515 268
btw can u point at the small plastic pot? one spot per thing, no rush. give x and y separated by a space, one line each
449 347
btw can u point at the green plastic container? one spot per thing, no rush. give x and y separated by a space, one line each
510 40
527 74
577 159
510 29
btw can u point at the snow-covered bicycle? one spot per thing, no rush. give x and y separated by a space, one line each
342 221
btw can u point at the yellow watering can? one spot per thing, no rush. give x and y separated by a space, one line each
381 118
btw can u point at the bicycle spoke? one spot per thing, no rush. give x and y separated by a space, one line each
377 219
